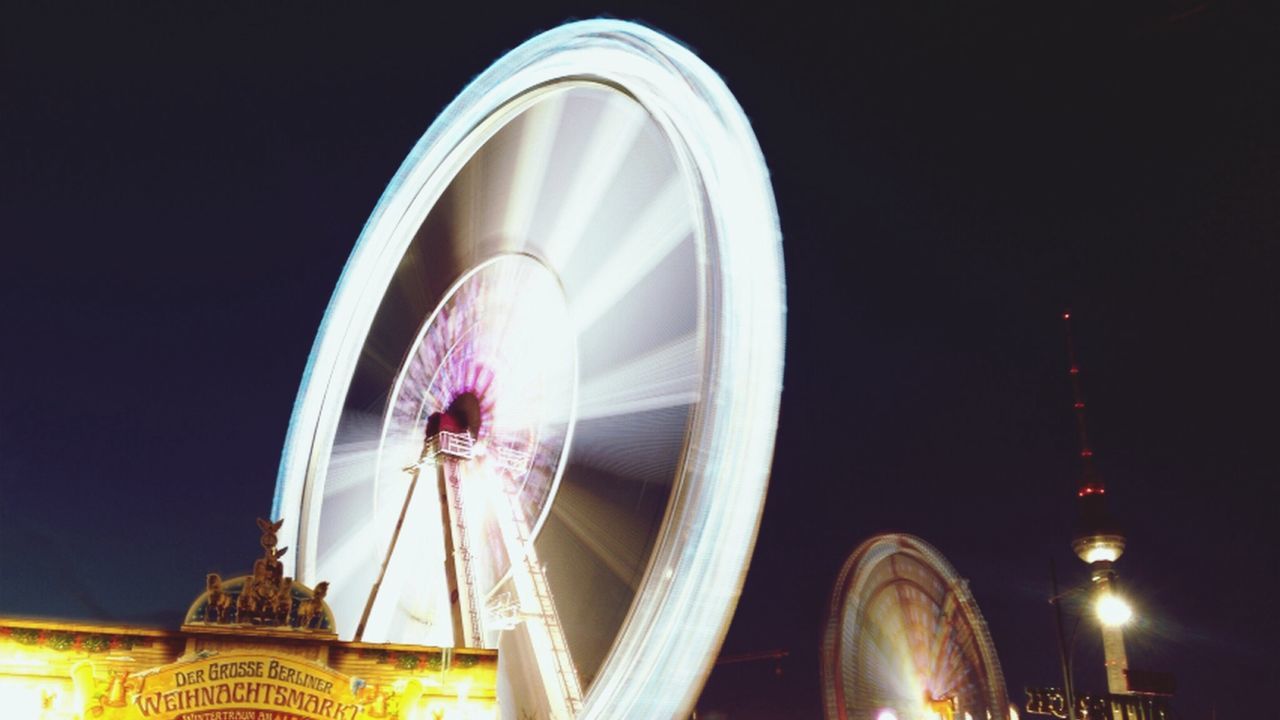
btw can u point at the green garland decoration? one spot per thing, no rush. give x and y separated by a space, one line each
62 640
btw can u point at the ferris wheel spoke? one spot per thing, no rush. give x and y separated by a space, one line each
469 211
895 677
597 139
613 536
659 311
603 525
537 128
662 225
429 266
492 205
347 558
586 590
348 567
665 377
349 478
336 499
638 451
942 663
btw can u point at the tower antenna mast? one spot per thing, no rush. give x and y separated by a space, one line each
1090 482
1098 539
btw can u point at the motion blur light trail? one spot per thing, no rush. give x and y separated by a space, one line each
904 639
579 265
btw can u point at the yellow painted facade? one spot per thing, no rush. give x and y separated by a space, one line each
73 671
257 647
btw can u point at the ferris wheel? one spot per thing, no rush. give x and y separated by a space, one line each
904 640
539 414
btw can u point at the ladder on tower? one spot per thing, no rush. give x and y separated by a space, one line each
547 616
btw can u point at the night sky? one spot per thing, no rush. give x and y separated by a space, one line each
181 183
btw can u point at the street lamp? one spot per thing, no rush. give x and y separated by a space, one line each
1113 610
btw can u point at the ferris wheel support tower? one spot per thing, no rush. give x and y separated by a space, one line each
450 450
448 446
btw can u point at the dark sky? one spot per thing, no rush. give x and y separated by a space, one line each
180 184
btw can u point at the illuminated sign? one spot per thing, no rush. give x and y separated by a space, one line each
244 686
1052 702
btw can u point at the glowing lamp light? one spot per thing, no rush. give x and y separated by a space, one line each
1099 548
1013 712
887 714
28 697
1113 611
1102 553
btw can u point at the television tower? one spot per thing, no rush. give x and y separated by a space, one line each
1098 541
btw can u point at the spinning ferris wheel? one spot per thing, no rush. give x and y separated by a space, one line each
539 414
904 640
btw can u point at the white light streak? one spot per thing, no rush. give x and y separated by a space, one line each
605 151
664 223
664 377
608 532
351 468
541 123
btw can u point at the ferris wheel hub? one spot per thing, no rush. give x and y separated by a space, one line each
493 373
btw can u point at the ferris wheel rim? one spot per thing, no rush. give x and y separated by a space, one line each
739 220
